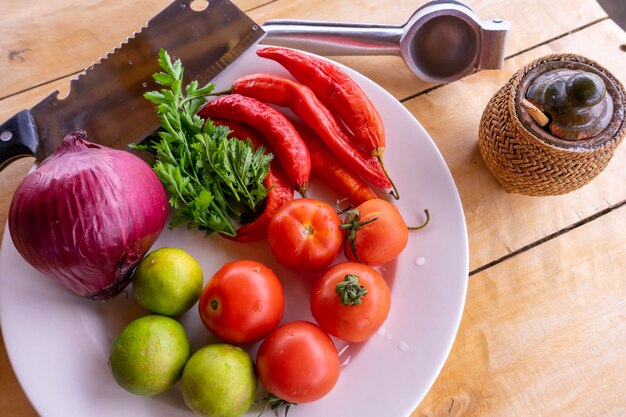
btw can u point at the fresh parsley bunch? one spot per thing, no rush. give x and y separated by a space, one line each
211 178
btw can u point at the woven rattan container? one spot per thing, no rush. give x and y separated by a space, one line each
527 159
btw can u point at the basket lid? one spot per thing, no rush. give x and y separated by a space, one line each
575 100
577 103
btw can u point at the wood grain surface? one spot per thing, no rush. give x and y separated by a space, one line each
544 328
543 333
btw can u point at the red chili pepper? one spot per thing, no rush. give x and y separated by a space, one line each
340 93
301 100
327 167
337 90
279 190
283 138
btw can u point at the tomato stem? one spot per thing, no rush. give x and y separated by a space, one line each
353 224
394 192
423 225
274 403
350 291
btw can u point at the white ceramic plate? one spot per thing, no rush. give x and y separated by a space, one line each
58 343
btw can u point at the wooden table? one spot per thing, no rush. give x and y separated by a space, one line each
544 328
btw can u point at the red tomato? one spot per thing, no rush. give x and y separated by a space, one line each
298 362
340 306
381 240
242 302
305 235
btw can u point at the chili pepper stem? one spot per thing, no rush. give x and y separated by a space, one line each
423 225
302 190
394 193
223 93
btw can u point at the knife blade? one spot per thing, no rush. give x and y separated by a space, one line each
106 100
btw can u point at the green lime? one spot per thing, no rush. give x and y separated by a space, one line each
168 281
219 381
149 355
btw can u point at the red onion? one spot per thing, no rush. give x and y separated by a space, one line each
87 216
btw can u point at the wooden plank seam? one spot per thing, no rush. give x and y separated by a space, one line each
73 74
260 5
549 237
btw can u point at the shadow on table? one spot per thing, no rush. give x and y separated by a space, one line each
616 9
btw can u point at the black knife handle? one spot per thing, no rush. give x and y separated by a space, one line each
18 137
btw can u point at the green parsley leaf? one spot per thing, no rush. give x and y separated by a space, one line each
211 178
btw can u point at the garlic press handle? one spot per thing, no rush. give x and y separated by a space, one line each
333 38
493 33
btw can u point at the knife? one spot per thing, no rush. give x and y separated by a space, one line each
106 100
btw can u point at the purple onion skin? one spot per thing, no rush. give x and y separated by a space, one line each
87 216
